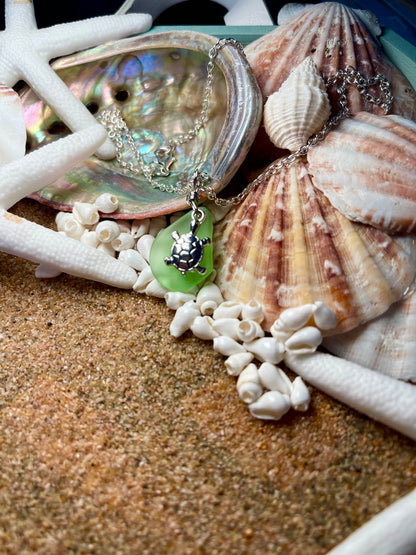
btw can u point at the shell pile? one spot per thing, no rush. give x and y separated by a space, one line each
335 227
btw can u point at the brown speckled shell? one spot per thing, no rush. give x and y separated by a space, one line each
285 246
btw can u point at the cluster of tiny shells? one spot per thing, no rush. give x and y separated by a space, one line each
252 356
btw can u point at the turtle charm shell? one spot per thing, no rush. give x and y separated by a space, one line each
187 252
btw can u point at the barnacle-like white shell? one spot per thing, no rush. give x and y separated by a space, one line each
183 318
298 109
236 362
272 405
266 349
248 384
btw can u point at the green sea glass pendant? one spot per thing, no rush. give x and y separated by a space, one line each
181 255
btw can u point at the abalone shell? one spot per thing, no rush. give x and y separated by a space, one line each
157 81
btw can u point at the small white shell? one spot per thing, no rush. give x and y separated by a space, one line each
228 309
304 341
248 384
248 330
46 271
175 299
300 396
266 349
324 317
133 258
278 333
144 244
183 318
85 213
202 327
72 227
107 249
209 298
107 231
155 289
89 238
272 377
156 225
227 346
123 242
272 405
106 203
61 218
236 362
143 280
295 318
124 226
140 227
227 326
252 311
298 109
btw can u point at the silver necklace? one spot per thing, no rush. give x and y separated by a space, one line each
199 181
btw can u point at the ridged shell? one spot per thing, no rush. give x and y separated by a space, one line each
387 344
335 37
298 109
367 168
286 246
157 81
13 130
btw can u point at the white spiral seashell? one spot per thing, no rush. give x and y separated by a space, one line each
123 242
175 299
61 218
295 318
304 341
228 309
298 109
252 311
144 244
202 327
155 289
227 326
324 317
85 213
300 396
248 384
227 346
124 226
156 225
272 377
107 249
107 231
106 203
89 238
143 279
140 227
133 258
183 318
236 362
272 405
72 227
266 349
208 299
248 330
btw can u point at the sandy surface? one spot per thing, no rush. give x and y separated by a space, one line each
117 438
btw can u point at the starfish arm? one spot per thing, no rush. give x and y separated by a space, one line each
385 399
13 130
19 15
28 174
39 244
56 94
391 531
71 37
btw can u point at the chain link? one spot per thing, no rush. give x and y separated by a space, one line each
117 130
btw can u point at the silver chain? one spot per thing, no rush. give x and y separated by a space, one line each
117 130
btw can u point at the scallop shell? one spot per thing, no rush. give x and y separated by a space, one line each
286 246
298 109
386 344
367 168
336 37
157 81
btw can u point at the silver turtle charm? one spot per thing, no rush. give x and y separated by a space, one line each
188 249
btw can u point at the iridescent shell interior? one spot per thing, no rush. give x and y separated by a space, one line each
157 81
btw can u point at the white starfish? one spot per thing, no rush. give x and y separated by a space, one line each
22 175
25 52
